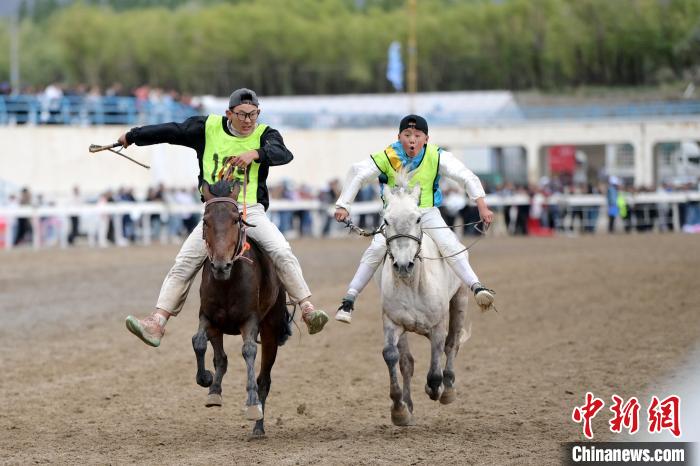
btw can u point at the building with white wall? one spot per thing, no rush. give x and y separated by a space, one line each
486 130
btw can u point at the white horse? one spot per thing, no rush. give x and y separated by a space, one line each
419 296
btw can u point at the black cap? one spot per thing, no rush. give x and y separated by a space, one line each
242 96
413 121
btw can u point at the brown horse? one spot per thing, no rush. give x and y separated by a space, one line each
240 294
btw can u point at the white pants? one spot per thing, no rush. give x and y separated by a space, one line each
444 238
193 253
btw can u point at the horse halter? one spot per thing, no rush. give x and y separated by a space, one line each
242 225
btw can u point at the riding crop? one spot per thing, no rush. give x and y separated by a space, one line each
110 147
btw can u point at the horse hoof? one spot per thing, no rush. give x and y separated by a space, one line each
256 435
401 417
204 379
434 394
448 396
214 399
254 412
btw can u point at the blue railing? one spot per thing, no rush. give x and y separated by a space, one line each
628 110
106 110
79 110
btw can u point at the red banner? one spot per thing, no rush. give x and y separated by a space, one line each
562 159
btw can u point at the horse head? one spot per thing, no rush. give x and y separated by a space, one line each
223 227
402 226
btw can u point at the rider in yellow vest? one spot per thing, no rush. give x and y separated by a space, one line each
236 139
426 163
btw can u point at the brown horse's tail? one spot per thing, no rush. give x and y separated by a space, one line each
285 322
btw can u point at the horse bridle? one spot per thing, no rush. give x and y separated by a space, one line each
242 225
381 230
417 239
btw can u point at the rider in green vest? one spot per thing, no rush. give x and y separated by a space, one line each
426 163
425 174
218 143
234 140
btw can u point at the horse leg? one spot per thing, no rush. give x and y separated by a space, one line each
268 338
249 332
406 366
433 386
220 364
199 344
400 415
458 310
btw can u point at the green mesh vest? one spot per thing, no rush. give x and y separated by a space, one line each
389 162
220 146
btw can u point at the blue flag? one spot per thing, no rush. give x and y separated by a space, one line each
394 66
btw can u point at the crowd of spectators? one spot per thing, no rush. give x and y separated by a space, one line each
82 104
550 208
173 225
541 210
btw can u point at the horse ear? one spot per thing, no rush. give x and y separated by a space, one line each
206 193
235 190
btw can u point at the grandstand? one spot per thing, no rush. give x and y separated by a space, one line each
338 111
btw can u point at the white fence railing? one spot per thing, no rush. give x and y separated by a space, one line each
51 225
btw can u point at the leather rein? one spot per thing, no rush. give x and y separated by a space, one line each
381 230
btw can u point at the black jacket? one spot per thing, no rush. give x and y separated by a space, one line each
191 133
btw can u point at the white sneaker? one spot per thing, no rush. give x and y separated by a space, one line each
484 296
344 313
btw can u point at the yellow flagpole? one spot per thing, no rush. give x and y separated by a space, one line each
412 86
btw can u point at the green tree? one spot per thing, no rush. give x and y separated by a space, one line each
340 46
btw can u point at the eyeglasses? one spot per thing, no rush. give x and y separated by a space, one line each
242 115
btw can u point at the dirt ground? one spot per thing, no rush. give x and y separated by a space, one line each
606 314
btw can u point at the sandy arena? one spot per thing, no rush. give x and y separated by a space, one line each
606 314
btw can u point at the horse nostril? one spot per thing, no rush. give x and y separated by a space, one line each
221 267
410 265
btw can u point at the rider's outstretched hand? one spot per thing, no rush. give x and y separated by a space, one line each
341 214
486 215
122 140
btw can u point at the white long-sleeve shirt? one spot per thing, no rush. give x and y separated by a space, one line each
365 171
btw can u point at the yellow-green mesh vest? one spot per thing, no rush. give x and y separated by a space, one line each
389 162
220 146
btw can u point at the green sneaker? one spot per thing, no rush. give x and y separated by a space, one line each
315 319
149 330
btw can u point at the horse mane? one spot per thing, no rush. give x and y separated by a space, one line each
402 179
222 188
